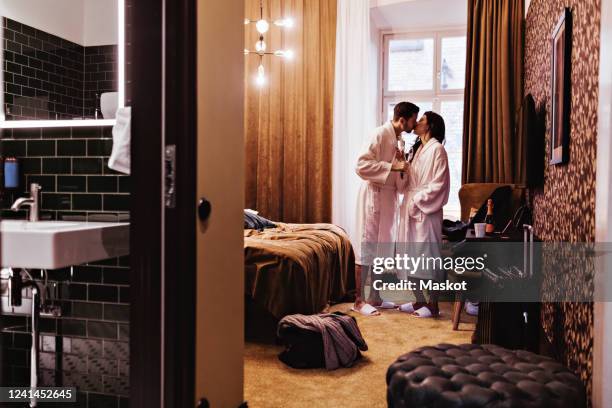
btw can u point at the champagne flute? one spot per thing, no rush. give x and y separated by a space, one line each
401 145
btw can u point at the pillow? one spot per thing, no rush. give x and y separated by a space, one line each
255 221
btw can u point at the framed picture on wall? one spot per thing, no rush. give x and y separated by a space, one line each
561 87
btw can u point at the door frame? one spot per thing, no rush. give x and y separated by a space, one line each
602 331
162 50
220 169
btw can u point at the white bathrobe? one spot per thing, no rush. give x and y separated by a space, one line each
377 201
426 189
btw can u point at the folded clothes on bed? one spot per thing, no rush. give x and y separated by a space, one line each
255 221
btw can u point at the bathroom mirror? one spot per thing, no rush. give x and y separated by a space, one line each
63 62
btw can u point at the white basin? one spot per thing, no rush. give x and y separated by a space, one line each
58 244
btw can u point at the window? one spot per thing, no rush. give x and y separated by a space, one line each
428 69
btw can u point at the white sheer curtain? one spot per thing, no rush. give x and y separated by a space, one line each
354 107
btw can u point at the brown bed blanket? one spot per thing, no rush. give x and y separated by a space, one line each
298 268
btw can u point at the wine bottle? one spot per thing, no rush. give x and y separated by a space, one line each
490 227
473 212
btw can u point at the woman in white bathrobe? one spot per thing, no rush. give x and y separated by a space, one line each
426 189
377 203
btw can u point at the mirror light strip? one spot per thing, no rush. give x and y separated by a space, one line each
121 54
20 124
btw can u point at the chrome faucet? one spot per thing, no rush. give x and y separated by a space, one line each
33 201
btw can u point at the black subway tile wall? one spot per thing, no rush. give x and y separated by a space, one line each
72 171
100 75
48 77
43 74
87 347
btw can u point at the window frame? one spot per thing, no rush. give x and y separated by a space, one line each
436 94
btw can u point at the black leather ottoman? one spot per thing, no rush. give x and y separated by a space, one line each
472 375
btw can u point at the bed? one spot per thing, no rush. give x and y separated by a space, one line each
298 268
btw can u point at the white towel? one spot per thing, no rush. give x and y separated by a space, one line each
120 156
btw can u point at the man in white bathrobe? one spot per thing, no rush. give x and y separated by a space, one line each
380 167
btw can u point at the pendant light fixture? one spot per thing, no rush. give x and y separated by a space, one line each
261 48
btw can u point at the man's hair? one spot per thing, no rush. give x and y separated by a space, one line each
404 110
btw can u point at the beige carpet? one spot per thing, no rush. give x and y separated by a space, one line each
271 384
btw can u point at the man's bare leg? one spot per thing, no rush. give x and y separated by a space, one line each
361 275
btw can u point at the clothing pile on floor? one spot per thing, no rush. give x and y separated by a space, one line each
330 340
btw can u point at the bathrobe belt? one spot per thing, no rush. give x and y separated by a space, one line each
382 186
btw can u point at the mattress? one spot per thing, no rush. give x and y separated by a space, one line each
298 268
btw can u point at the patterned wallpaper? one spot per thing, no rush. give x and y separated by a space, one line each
564 210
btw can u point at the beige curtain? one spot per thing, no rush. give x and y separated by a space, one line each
289 120
492 152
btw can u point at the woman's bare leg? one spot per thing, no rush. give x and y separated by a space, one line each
433 303
419 297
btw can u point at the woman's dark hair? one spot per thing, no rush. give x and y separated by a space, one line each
437 129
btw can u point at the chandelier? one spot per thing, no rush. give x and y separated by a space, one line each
261 48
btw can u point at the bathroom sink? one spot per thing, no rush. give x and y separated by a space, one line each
58 244
12 226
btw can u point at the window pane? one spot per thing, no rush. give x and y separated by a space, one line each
452 71
411 64
423 107
452 112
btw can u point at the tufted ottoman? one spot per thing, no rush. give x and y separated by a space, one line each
472 375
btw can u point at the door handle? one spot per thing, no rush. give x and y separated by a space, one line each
204 209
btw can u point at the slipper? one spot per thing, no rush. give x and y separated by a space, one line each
471 308
407 307
366 310
387 305
423 313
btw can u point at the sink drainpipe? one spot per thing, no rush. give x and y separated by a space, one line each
34 349
16 284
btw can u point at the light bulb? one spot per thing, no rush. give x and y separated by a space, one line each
262 26
279 53
260 80
246 52
247 21
288 54
287 22
260 46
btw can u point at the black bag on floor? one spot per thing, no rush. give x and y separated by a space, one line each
304 348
